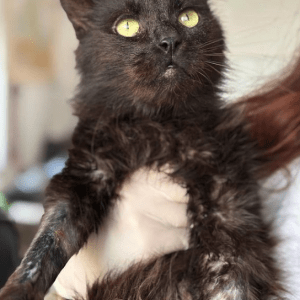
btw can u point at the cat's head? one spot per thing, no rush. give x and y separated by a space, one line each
146 53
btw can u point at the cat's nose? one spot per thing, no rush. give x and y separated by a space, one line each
169 44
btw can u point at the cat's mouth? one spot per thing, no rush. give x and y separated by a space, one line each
170 71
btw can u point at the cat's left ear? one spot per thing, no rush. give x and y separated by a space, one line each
78 12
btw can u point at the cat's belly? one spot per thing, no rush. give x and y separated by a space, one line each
149 220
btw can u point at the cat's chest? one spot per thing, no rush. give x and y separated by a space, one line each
114 150
149 219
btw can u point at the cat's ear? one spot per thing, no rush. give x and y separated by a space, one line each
78 12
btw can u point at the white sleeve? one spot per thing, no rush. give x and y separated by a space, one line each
284 208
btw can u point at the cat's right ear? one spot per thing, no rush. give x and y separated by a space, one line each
78 12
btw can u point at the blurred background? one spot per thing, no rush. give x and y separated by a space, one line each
37 78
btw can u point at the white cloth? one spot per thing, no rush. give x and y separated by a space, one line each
284 209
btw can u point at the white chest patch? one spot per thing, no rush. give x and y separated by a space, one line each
149 220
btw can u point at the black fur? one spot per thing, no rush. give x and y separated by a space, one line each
132 116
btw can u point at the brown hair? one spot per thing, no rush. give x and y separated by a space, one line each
274 117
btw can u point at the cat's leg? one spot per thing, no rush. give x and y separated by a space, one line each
234 260
73 209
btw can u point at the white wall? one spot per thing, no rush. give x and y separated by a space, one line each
3 91
261 37
42 111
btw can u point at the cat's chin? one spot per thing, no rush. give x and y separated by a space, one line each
170 72
173 74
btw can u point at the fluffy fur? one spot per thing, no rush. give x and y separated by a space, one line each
132 115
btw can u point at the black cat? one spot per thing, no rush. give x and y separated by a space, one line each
148 97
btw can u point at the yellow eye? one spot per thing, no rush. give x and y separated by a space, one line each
128 27
189 18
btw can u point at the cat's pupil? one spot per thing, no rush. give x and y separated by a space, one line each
127 26
185 18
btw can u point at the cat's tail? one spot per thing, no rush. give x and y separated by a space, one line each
274 116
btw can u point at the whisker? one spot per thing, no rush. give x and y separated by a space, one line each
211 48
211 42
216 70
216 63
214 54
206 76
